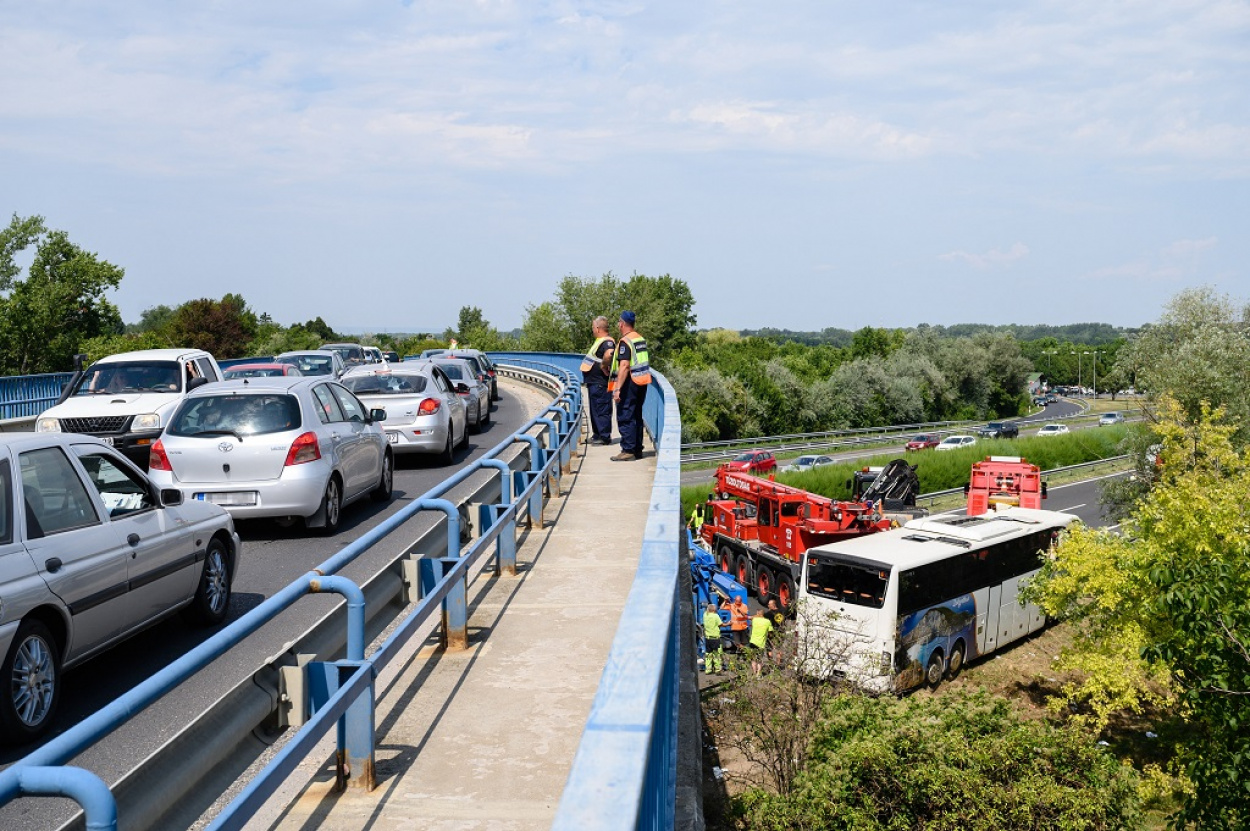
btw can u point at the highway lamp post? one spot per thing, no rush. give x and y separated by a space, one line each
1078 368
1094 361
1048 353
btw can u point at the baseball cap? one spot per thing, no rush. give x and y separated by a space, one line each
628 317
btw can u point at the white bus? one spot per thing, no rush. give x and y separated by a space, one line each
913 604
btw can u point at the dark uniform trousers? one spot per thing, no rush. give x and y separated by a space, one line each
629 416
600 410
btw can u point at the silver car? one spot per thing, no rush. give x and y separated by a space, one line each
484 364
91 552
424 413
315 362
289 447
469 383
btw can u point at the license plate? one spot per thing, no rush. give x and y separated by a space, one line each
229 498
392 437
107 440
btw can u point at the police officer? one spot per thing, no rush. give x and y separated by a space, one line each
596 364
631 368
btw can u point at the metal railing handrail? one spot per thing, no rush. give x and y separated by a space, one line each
69 744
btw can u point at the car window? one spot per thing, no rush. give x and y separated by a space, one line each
6 503
121 489
240 414
384 384
328 409
352 407
453 371
440 380
56 498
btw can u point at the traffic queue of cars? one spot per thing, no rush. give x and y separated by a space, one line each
94 550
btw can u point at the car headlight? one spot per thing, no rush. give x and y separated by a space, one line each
147 421
48 425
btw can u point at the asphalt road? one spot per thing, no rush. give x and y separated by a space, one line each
272 558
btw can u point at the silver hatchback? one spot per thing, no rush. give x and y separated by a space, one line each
91 552
288 447
472 385
424 413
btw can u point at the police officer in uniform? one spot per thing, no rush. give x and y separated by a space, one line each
596 364
631 367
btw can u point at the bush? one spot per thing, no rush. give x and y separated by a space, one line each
959 761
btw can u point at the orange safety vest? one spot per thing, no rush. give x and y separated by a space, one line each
738 617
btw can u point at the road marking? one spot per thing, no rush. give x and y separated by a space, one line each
1071 508
1086 481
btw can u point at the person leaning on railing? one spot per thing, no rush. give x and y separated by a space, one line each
631 367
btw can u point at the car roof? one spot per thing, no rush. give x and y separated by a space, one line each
402 368
257 365
154 355
319 353
19 441
264 383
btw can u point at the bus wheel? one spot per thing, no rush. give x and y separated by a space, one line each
785 592
933 675
764 578
743 572
726 560
956 662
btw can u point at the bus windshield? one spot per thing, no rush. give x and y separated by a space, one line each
859 583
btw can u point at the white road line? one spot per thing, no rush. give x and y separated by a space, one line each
1071 508
1086 481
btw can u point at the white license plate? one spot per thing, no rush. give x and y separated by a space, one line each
229 498
392 437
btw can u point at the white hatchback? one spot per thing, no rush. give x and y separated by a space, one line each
956 442
1053 430
285 447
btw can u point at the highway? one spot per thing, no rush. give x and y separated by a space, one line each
272 557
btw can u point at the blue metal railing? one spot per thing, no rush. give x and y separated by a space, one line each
26 396
443 585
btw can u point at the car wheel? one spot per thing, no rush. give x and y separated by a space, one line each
464 435
382 493
448 456
31 675
332 506
477 419
212 595
936 669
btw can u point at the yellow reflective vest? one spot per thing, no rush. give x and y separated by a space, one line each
590 360
639 365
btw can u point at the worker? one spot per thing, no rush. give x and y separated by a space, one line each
739 620
713 649
596 364
631 369
696 517
761 628
776 615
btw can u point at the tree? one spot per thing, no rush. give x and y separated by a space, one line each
152 319
224 328
61 303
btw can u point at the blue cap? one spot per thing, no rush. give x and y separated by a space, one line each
628 317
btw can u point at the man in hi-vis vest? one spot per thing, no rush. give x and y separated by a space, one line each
596 364
631 367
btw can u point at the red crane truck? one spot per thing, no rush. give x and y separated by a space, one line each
1004 480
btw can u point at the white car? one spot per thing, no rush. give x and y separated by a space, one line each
1053 430
803 463
956 442
285 447
424 413
91 552
1110 418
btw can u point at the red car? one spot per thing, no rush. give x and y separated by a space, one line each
754 461
924 441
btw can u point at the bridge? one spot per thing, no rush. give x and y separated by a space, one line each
510 647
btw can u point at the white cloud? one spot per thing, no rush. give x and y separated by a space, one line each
993 258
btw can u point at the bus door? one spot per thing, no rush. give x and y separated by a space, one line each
989 599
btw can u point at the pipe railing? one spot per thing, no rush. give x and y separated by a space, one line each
443 585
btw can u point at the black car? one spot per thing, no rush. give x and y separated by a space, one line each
999 430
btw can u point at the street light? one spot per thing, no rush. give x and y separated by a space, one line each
1095 353
1078 368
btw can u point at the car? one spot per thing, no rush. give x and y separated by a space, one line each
923 441
424 413
804 463
753 461
1110 418
290 447
315 362
260 370
353 354
92 552
429 353
956 442
999 430
471 386
1053 430
373 355
391 357
483 361
128 398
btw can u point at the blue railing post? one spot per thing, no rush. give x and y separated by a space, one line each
455 608
98 806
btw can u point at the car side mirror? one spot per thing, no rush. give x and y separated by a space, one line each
377 415
196 383
171 496
462 387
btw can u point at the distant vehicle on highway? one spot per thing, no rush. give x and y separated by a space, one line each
1110 418
315 362
923 441
288 448
373 355
93 552
804 463
1053 430
391 357
956 442
271 370
999 430
471 384
484 363
353 354
753 461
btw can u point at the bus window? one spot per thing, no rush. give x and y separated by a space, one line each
847 583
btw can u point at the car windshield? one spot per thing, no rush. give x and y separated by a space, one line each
922 438
745 457
238 414
385 384
146 376
454 371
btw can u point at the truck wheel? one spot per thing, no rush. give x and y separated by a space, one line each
726 560
743 572
764 590
785 592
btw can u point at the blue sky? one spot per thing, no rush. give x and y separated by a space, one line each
798 164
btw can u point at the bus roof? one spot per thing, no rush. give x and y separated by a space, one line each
928 539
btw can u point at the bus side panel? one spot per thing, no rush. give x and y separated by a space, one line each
938 628
987 620
1035 616
1013 621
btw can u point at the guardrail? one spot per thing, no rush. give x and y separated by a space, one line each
342 690
26 396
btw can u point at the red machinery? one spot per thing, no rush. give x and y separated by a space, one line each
1004 480
759 530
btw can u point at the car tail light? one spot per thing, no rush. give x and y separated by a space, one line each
304 449
428 407
157 460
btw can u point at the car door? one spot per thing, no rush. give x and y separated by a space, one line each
457 410
339 432
80 559
161 569
366 444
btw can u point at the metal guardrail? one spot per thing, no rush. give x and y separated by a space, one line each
344 683
26 396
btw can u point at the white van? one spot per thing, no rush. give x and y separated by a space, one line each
128 398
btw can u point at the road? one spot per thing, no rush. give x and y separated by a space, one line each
272 558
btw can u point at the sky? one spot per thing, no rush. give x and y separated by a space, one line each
799 165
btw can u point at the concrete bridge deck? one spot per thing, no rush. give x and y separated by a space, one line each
484 738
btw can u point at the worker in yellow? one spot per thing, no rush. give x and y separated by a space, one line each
713 649
596 364
631 369
761 627
696 518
